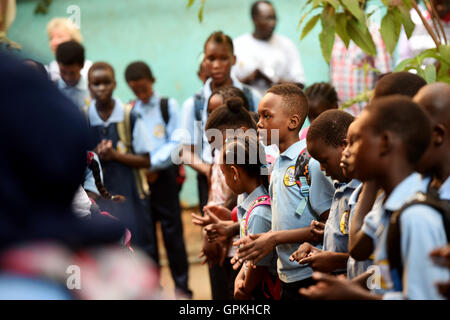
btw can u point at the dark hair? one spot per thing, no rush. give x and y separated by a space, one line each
254 9
138 70
69 53
324 93
222 38
101 66
404 83
331 126
39 67
231 115
231 92
95 168
255 116
247 152
293 98
406 119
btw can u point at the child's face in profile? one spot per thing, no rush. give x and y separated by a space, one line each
272 116
218 60
360 157
70 73
329 158
142 89
102 85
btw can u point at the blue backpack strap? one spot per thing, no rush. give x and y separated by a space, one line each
199 102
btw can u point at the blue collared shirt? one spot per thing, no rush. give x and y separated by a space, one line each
163 137
335 236
259 221
422 231
140 141
194 132
78 94
354 267
444 190
288 206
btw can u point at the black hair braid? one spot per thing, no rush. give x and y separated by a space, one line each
322 91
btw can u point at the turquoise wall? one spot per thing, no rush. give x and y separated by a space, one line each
165 34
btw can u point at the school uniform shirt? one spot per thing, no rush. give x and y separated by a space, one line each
354 267
79 93
163 138
194 131
140 141
277 58
422 231
335 236
259 221
290 209
89 180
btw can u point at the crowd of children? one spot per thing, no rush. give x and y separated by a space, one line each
347 208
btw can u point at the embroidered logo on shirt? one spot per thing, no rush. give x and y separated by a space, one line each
120 147
289 177
159 131
343 225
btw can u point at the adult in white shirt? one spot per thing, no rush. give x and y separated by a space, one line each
264 57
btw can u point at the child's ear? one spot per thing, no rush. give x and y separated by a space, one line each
438 134
388 141
234 60
294 122
236 174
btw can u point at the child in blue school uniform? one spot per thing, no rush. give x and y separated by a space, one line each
254 213
123 148
284 108
161 120
70 57
386 143
326 139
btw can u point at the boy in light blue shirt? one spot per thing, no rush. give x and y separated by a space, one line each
326 140
284 108
70 58
160 118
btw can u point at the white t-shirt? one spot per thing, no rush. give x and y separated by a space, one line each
278 58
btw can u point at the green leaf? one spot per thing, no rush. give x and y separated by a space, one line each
355 10
402 65
443 73
190 3
402 14
361 36
326 36
444 50
430 74
390 30
309 26
334 3
341 28
200 11
303 18
429 53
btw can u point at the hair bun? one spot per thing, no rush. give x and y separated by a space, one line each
235 104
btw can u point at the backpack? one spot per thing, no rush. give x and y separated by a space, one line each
431 199
303 178
270 288
124 131
164 108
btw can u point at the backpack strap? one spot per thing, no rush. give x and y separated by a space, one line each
262 200
124 130
394 252
164 107
199 102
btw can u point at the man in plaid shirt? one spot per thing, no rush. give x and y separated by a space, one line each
347 74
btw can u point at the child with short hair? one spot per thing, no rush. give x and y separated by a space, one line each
160 118
123 147
284 108
385 144
70 58
326 140
61 30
